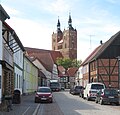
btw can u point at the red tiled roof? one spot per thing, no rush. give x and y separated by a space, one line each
71 71
55 55
61 71
46 57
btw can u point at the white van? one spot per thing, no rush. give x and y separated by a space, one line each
91 89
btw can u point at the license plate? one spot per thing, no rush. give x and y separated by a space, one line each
111 97
43 99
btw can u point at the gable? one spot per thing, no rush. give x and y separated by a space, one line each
107 50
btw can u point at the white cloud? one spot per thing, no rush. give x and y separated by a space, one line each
57 7
12 11
38 32
32 34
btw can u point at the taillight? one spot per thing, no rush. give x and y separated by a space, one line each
102 95
50 95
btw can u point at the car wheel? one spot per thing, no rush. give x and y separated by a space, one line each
73 93
36 101
51 101
101 102
117 103
82 96
96 101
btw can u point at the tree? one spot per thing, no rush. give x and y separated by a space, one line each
76 63
67 62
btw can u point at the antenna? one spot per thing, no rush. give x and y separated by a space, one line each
91 41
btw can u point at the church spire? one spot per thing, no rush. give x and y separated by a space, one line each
58 25
70 22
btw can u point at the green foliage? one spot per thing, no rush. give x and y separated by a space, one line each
67 62
76 63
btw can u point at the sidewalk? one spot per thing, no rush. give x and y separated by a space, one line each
26 107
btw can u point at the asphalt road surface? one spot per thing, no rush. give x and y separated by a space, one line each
63 104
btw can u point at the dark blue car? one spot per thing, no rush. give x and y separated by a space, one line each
107 96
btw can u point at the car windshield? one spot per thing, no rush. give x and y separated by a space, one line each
78 87
111 92
97 86
44 90
54 84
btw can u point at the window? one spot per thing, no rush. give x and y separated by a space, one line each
17 80
97 86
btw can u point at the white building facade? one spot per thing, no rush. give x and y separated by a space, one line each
18 68
7 54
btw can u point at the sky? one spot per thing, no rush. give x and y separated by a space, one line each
34 21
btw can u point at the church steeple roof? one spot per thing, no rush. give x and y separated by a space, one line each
70 22
58 26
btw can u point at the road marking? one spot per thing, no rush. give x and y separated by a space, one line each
41 109
26 110
36 110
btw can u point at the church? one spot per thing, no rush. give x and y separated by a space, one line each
65 41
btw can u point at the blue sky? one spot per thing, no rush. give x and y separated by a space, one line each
35 20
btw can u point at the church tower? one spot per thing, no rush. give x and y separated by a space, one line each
66 41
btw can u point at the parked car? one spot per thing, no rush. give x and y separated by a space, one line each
76 90
107 96
43 94
91 90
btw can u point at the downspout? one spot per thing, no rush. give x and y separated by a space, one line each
23 75
89 73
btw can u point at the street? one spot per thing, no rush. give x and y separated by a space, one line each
63 104
74 105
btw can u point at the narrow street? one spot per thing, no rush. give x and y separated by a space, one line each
64 104
67 104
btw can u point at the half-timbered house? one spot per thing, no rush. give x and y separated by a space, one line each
102 65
